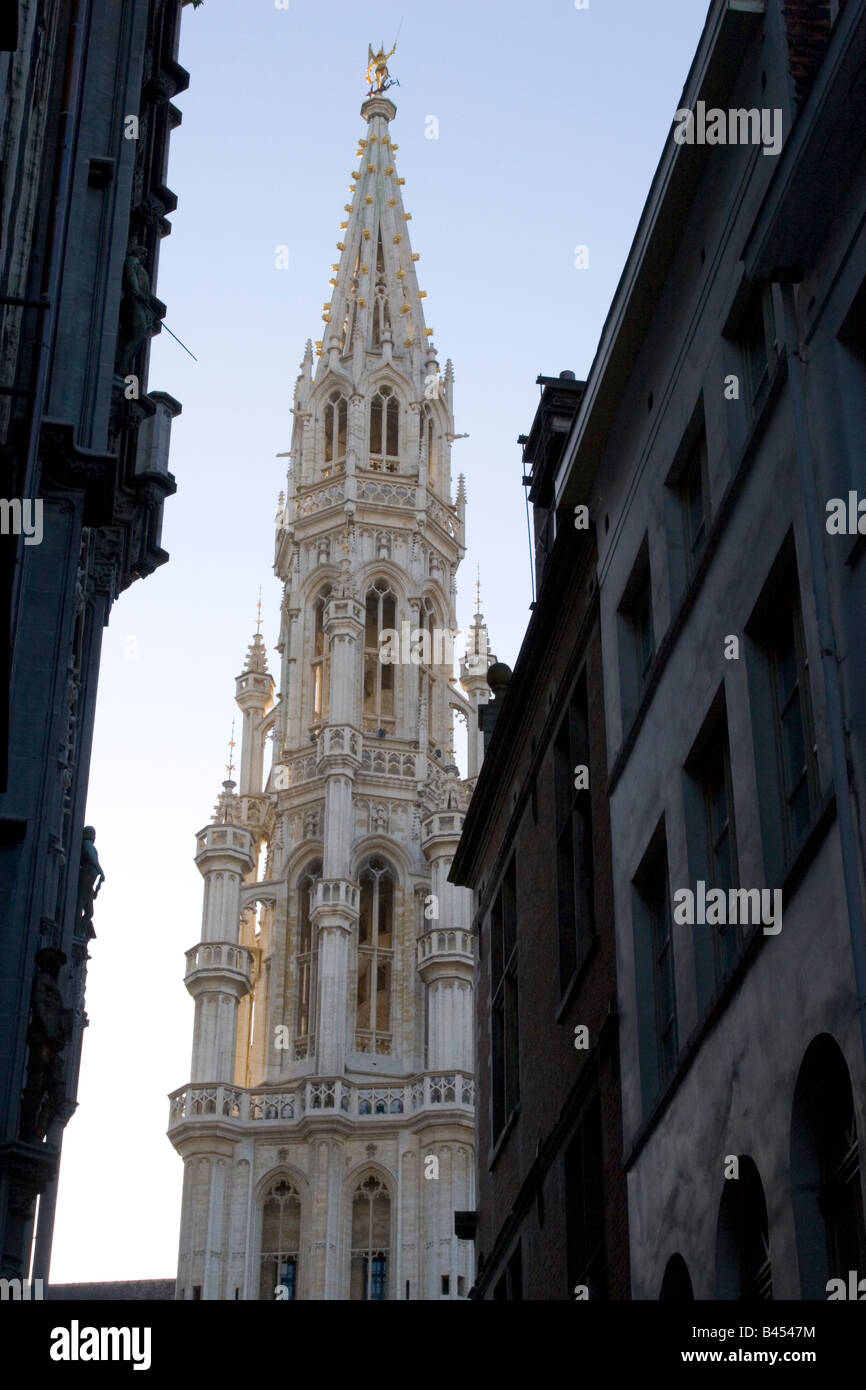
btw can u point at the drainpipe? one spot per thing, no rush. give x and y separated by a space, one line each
829 661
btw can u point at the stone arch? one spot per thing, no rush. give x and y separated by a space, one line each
676 1283
380 845
334 379
317 577
436 588
826 1179
388 570
743 1268
434 594
282 1169
387 375
300 855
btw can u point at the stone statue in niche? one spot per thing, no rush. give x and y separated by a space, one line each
379 818
90 880
136 308
48 1033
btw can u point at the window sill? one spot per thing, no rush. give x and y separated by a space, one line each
493 1155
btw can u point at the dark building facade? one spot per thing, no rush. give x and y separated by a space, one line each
536 848
718 448
85 119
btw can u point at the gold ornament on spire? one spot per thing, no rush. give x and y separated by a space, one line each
259 617
378 77
230 765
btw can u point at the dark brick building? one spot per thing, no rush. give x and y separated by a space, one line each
536 847
700 647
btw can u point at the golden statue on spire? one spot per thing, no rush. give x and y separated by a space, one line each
382 80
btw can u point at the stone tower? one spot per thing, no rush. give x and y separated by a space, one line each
327 1130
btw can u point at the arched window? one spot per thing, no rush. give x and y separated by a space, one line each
825 1171
321 658
375 958
427 684
385 431
381 613
336 429
306 961
742 1239
371 1238
676 1284
281 1243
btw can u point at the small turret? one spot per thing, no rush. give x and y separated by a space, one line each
473 678
254 693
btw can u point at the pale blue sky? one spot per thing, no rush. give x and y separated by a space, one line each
551 123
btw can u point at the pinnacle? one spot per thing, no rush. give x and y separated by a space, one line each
257 656
374 302
223 811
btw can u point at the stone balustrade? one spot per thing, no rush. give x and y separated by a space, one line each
442 942
288 1104
336 892
219 955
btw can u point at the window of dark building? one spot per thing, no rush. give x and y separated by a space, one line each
825 1171
784 732
757 337
687 505
793 725
694 498
574 850
712 843
743 1270
584 1205
654 966
505 1057
636 637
